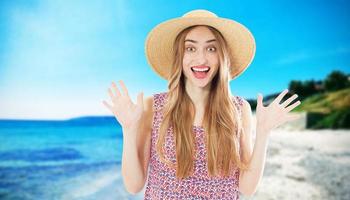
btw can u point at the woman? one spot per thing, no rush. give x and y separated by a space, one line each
196 138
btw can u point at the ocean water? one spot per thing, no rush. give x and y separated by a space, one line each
73 159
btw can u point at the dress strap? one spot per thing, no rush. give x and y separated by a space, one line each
159 101
239 102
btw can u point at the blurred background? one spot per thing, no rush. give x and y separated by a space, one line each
58 58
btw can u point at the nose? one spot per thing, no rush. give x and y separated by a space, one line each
200 57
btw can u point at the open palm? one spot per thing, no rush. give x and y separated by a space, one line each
126 112
275 114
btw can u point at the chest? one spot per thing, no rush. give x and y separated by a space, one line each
198 118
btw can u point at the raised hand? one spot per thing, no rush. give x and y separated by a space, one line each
276 113
125 111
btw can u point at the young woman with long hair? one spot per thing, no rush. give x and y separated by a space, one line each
195 140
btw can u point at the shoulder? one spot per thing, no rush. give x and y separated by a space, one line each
244 104
245 107
154 98
158 100
246 114
239 100
160 95
151 104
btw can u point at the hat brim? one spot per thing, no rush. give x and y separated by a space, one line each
159 43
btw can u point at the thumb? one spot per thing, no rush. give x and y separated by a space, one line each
260 100
140 99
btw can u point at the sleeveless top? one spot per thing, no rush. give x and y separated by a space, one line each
162 182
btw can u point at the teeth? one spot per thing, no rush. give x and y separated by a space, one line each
200 69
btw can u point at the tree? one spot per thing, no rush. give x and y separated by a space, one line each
295 86
336 80
309 87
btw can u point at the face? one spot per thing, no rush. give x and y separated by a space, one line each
201 57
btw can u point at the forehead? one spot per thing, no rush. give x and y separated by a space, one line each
200 33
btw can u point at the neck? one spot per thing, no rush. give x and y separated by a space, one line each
198 95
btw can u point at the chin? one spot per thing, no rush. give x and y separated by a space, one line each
202 83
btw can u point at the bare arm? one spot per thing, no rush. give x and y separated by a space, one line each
250 179
267 118
131 166
136 122
136 152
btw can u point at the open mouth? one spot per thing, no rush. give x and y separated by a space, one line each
200 72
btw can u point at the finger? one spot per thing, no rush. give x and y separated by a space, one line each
140 99
293 116
111 95
280 96
291 107
115 89
125 91
107 105
290 99
260 99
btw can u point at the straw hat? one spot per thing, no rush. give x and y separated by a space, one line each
159 42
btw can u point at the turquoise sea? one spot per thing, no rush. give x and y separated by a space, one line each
72 159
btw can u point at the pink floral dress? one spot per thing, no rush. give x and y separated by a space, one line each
162 182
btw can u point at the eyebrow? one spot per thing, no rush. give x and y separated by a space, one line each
194 41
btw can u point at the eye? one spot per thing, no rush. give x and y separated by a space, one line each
190 48
213 49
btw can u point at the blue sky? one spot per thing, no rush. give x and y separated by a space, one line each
57 58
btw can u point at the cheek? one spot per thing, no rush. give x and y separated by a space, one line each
215 61
185 61
185 64
216 70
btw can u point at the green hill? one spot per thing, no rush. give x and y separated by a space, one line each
327 110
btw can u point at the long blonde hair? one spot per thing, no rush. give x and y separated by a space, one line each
220 122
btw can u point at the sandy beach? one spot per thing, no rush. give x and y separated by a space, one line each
306 164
